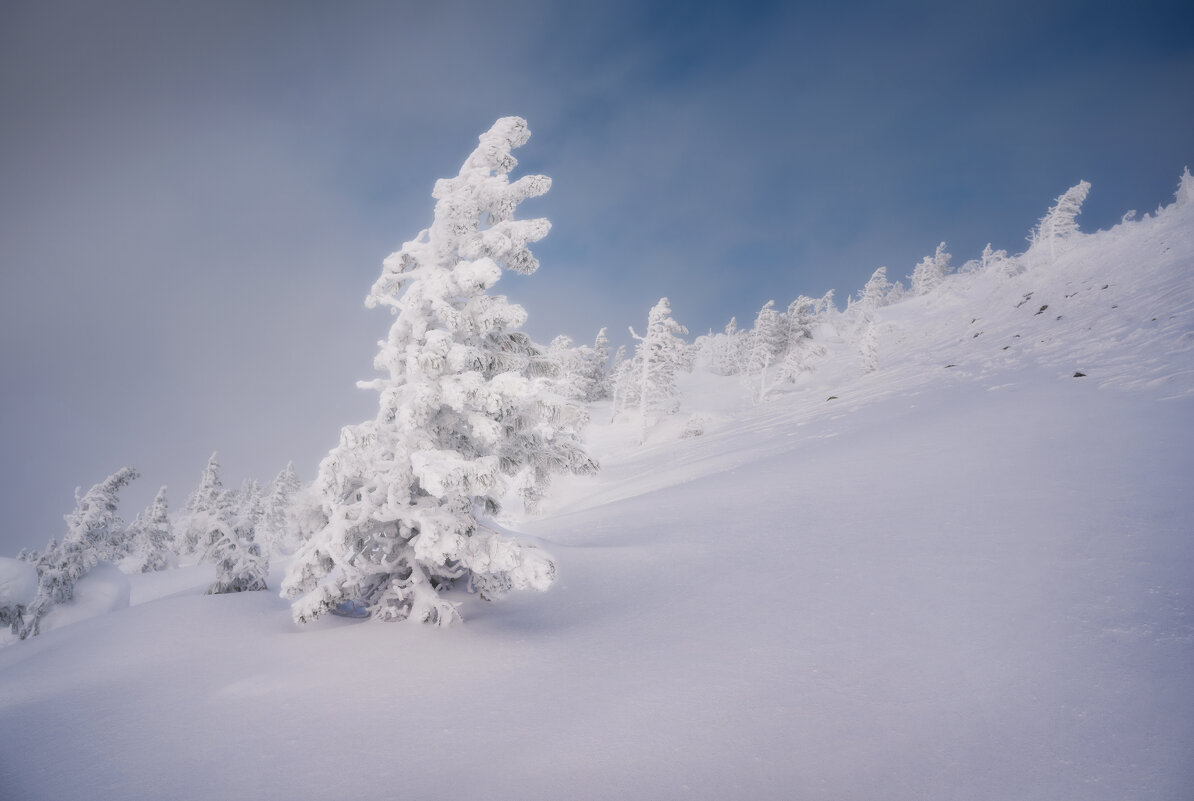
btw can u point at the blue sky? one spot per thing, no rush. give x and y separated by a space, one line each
195 198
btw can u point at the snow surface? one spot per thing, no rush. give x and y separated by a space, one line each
101 590
968 575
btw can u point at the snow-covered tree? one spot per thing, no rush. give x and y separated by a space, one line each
249 503
800 351
571 368
660 353
1185 189
153 536
931 271
1059 227
598 368
868 347
725 352
463 410
998 261
231 545
206 501
91 529
18 590
768 339
278 529
875 291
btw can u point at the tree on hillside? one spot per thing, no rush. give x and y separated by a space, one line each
278 531
767 342
875 292
206 502
598 368
153 536
725 351
651 378
800 351
1059 227
931 271
463 409
868 347
230 543
91 529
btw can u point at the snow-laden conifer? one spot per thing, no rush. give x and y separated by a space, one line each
598 368
724 353
153 536
1185 189
931 271
278 528
875 292
767 341
205 502
868 346
18 590
1059 227
464 407
661 352
800 351
92 528
230 544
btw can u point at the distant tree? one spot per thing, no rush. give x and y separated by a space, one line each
1185 189
231 545
800 351
659 355
931 271
1059 227
249 503
18 590
464 408
207 501
868 347
571 368
726 351
598 369
875 291
768 339
997 260
153 536
91 529
278 528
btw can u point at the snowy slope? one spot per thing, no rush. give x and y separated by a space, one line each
969 581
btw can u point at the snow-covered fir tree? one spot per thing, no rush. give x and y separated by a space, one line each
570 368
249 503
153 536
406 496
598 368
931 271
868 346
800 351
998 260
278 529
660 353
1059 227
767 342
231 545
725 353
91 529
875 292
206 501
1185 190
